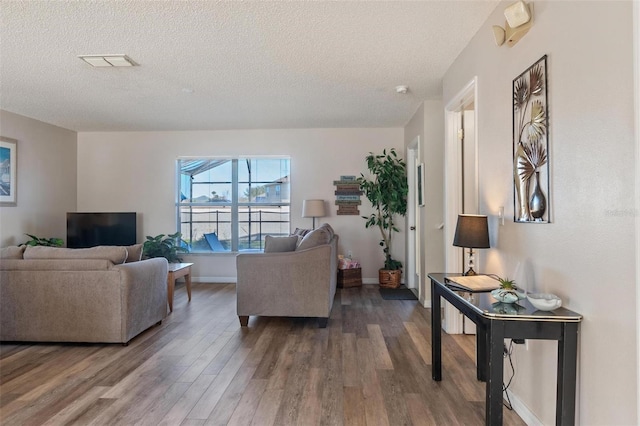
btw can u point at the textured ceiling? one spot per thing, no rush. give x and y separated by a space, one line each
229 65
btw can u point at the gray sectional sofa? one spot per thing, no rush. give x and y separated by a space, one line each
297 278
79 295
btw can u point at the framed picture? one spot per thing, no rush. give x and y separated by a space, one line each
420 183
531 145
8 172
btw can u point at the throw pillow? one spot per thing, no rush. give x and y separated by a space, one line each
14 252
134 253
280 244
301 232
315 238
116 254
329 229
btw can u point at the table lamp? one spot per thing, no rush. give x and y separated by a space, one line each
313 208
472 231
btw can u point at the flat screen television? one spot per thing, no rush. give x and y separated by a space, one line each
101 229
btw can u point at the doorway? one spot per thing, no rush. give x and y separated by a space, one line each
461 185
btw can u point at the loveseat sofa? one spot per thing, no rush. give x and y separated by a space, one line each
79 295
295 277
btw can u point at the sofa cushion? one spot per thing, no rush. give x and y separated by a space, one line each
329 229
301 232
14 252
56 265
116 254
315 238
280 244
134 253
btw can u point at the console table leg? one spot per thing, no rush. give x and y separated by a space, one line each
481 353
495 332
436 334
566 388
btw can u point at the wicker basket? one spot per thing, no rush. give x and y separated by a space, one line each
389 279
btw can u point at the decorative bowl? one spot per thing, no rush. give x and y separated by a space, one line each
544 301
507 296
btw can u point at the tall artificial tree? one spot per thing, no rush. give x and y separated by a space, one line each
386 188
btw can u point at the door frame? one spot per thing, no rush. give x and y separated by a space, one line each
636 66
413 277
454 256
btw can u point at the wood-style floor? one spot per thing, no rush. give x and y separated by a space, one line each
370 366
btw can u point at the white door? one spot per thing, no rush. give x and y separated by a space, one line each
461 188
413 263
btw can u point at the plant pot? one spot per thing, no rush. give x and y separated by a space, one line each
389 278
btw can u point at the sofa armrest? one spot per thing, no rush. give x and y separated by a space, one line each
144 294
286 284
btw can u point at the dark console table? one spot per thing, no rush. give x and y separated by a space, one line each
498 321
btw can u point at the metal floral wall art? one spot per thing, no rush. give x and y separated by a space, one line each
531 144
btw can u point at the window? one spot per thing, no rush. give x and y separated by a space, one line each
232 204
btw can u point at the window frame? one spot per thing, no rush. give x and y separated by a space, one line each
234 204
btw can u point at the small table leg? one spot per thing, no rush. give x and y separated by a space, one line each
436 334
187 280
481 353
495 333
171 283
567 360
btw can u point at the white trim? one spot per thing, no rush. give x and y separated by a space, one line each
410 219
636 66
523 411
453 319
413 277
215 280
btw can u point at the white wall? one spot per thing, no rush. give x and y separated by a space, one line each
428 123
586 255
636 41
135 171
46 180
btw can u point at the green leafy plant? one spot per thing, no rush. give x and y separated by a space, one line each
387 190
508 291
37 241
164 246
507 284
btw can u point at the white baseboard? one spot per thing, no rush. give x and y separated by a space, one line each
523 411
216 280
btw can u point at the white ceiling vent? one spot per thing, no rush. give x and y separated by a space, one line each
108 60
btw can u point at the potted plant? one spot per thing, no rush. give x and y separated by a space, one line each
48 242
508 291
164 246
387 190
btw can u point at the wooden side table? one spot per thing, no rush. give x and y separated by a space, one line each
177 270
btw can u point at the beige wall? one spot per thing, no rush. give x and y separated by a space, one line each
135 171
586 255
428 124
46 180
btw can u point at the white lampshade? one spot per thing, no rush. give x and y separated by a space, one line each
313 208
